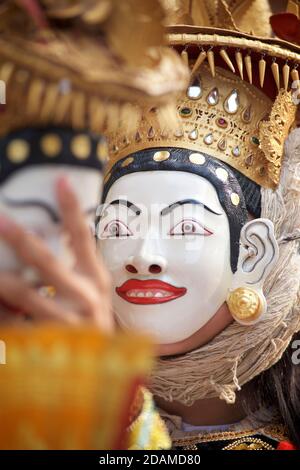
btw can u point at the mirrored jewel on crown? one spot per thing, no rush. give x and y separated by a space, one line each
194 91
247 114
213 97
193 135
236 151
208 138
222 144
232 102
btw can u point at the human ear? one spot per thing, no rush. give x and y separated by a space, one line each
258 253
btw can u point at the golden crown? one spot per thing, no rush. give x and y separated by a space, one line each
238 107
64 63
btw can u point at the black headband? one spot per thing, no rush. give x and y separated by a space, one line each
51 145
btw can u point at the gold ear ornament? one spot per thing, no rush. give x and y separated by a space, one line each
245 305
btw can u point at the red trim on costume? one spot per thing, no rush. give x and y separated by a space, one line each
121 442
286 445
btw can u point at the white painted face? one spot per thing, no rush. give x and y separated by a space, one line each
29 198
170 264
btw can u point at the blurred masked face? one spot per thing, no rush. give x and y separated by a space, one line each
165 239
29 198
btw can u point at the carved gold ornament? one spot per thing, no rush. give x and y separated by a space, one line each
245 304
249 443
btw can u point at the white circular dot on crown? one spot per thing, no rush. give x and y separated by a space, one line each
197 158
222 174
161 156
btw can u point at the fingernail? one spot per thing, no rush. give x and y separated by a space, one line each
5 224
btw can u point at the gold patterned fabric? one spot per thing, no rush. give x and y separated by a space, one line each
263 438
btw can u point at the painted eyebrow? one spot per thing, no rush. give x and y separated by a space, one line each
168 209
53 215
128 204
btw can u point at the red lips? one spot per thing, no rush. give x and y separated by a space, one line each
149 292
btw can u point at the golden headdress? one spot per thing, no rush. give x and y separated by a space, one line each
83 63
240 104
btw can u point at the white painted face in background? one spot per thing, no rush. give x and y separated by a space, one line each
165 239
28 197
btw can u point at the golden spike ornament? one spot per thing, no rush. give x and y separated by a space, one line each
286 76
295 75
35 92
185 57
262 71
227 60
275 72
240 64
200 59
211 62
248 63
